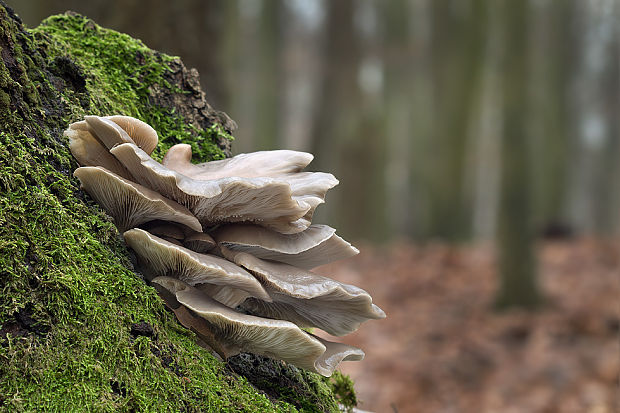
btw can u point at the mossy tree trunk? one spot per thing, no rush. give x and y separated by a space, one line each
79 329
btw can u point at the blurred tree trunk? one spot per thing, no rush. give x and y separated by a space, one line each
594 191
397 102
229 57
458 45
552 48
516 255
270 82
336 122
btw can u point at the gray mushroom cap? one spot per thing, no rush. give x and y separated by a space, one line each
266 201
131 204
336 353
305 298
89 151
107 131
315 246
273 338
222 279
307 188
141 133
245 165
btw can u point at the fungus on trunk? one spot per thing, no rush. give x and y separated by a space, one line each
273 338
259 207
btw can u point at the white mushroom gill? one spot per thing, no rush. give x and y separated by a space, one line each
131 204
253 215
273 338
165 258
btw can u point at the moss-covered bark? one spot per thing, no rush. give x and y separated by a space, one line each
79 329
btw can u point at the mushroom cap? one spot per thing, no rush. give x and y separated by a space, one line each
141 133
165 258
305 298
335 353
89 151
315 246
107 131
273 338
131 204
266 201
307 188
245 165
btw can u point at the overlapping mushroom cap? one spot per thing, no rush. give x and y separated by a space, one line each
305 298
274 338
227 243
315 246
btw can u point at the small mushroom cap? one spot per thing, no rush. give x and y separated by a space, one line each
140 132
335 354
131 204
266 201
315 246
273 338
107 131
89 151
165 258
245 165
305 298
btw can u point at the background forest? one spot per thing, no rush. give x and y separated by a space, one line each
458 128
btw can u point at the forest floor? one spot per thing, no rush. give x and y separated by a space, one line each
443 348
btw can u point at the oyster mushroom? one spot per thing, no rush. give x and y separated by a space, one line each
245 165
141 133
273 199
307 188
305 298
315 246
273 338
221 279
89 151
107 131
266 201
131 204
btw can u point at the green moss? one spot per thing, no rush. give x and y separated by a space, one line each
120 71
69 292
342 388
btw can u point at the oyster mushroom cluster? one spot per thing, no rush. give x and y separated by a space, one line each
228 244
